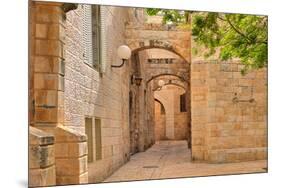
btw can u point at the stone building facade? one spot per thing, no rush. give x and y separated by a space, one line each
87 118
229 112
98 96
87 107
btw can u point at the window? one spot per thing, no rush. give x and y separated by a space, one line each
182 103
89 133
98 139
91 36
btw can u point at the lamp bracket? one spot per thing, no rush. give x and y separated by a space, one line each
118 66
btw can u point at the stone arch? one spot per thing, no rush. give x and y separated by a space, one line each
151 35
161 100
180 68
169 120
144 36
172 81
159 120
168 48
175 84
179 75
160 103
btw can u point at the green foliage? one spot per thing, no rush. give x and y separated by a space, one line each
234 35
169 16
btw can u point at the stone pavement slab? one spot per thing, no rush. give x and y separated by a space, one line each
172 159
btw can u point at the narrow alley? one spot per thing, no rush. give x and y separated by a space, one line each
116 94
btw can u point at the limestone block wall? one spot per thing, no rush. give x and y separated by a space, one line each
150 117
42 170
181 127
146 104
91 94
46 88
175 121
235 111
160 123
71 156
181 118
46 75
199 91
166 97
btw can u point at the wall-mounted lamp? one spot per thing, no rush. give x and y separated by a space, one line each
136 79
124 53
161 83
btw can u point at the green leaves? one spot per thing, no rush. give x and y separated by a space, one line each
152 11
234 35
231 35
169 16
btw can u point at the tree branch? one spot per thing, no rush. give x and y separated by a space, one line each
237 31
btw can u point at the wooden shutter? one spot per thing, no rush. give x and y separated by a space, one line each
87 34
96 36
103 41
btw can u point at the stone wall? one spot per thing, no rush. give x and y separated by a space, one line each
71 156
41 163
176 125
46 75
89 93
160 122
144 102
229 112
46 92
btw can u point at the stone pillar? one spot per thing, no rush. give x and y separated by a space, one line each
42 170
140 126
71 156
46 91
170 117
199 106
47 65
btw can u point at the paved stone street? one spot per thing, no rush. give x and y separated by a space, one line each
171 159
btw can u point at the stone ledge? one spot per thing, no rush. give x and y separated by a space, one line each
39 137
65 134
